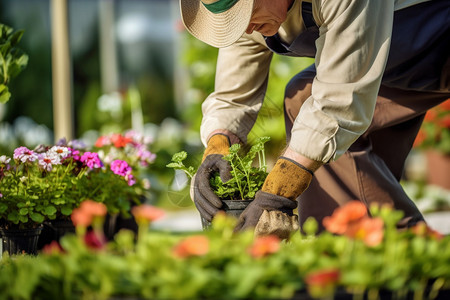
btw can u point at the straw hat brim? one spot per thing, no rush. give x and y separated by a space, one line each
218 30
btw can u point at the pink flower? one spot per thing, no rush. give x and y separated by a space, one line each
91 160
120 167
24 154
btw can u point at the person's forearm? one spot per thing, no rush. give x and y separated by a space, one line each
303 160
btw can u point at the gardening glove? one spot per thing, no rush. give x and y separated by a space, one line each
207 203
272 210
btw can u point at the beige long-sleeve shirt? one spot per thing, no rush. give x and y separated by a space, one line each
352 50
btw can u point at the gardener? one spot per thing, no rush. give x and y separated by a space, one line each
351 118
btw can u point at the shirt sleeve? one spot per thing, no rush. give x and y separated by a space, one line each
240 85
352 51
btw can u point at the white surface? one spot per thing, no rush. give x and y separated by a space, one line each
186 220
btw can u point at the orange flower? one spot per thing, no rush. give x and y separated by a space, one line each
445 121
371 231
119 140
420 138
81 218
422 229
430 116
93 208
53 248
445 105
265 245
344 216
146 213
196 245
84 215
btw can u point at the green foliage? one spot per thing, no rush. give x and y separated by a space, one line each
12 59
246 178
227 266
177 163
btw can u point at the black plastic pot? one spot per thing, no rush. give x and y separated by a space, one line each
19 241
53 231
232 208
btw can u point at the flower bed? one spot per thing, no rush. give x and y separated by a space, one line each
368 257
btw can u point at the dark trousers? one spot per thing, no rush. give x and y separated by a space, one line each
372 167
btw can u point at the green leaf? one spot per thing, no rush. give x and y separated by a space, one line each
37 217
23 211
3 207
66 211
49 210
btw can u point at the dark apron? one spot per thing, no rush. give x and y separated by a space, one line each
420 46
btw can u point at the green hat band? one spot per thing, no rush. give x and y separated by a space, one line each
220 6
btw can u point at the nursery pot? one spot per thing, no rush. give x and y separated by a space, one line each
232 208
53 231
18 241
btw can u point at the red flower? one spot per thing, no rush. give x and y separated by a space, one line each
102 141
265 245
196 245
147 213
119 140
322 283
94 241
322 277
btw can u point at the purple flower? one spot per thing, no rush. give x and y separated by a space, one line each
120 167
91 160
24 154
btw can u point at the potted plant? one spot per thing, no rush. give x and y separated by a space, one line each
434 137
36 186
133 149
248 172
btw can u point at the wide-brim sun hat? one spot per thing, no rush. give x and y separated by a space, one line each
218 23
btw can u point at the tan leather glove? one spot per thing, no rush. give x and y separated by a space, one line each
272 210
207 203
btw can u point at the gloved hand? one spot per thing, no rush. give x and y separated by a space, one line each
272 210
207 203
